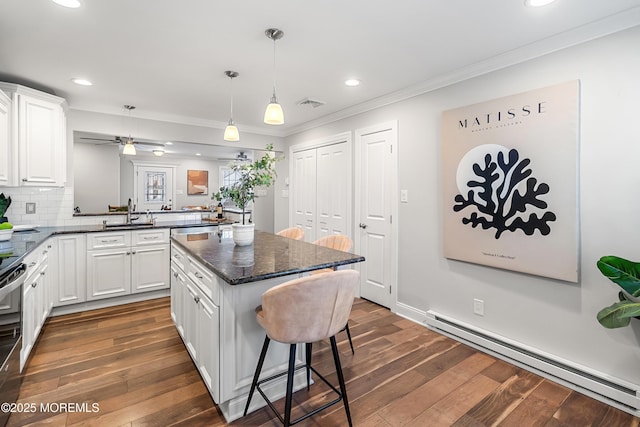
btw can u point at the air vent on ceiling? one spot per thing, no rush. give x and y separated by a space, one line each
313 102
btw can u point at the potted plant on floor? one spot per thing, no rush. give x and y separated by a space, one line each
260 173
625 274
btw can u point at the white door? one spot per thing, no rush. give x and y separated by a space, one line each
155 188
304 193
333 170
376 173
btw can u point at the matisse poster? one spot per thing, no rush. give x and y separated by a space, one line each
510 174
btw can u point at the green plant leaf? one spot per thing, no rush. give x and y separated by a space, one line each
624 273
618 314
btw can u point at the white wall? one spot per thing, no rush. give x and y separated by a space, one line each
552 316
99 167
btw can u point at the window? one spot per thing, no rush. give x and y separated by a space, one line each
155 186
228 177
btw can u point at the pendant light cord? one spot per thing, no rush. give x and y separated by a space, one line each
274 69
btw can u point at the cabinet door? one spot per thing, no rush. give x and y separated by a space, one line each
208 345
71 286
108 273
190 309
41 144
28 319
5 140
149 268
177 295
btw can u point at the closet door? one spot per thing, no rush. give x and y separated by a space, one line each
304 192
333 171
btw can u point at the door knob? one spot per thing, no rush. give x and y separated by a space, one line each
363 226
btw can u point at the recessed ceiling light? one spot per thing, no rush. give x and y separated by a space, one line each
82 82
197 154
68 3
537 3
169 143
352 82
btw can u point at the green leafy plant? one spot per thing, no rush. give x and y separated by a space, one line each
625 274
260 173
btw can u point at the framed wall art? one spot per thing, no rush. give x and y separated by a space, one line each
197 182
510 182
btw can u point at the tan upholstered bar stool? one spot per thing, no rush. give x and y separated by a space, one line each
295 233
305 310
340 243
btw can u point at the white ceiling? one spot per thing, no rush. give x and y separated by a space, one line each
168 57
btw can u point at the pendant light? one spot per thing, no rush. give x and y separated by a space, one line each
231 131
274 114
129 149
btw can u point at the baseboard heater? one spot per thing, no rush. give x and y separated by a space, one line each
610 390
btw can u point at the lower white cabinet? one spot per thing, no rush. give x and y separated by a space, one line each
72 269
125 262
36 299
197 319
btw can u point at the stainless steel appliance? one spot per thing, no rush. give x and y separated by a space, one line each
11 280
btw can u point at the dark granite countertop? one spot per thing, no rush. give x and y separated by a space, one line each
269 256
22 243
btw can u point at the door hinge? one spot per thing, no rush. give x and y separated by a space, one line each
391 149
390 219
390 289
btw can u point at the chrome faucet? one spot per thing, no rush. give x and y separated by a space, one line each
129 211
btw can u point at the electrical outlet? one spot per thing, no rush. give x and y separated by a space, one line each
478 307
404 196
31 208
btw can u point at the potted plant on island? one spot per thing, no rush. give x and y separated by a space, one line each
260 173
625 274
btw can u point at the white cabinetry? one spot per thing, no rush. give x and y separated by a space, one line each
125 262
6 151
72 270
195 310
38 130
36 299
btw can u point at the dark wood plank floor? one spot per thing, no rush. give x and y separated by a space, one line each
131 363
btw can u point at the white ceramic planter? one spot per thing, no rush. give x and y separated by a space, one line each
243 234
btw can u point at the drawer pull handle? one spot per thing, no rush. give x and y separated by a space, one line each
34 284
196 299
109 241
198 275
175 274
32 263
128 253
150 238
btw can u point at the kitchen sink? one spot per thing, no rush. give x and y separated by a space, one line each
128 226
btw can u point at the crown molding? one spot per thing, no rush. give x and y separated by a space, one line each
612 24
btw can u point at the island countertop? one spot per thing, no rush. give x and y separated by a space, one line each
269 256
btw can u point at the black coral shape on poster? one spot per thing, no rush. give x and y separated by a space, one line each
502 193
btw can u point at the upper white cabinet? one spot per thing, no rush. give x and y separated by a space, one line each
38 130
5 138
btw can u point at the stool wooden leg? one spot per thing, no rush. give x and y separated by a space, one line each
289 395
343 388
263 353
308 360
346 328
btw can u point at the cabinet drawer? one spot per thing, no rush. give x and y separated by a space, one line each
149 237
178 257
204 279
108 240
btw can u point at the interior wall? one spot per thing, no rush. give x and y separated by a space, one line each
100 167
555 317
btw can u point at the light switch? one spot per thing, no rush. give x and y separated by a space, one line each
285 193
30 208
404 196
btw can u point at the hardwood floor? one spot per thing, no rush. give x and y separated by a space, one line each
130 363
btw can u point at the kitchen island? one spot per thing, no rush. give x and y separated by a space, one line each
215 289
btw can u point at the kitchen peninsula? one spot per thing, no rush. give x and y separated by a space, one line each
215 289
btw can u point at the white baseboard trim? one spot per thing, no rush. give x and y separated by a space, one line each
605 388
